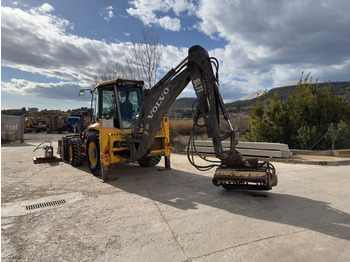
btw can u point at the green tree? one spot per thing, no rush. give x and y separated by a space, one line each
278 118
258 121
268 120
304 118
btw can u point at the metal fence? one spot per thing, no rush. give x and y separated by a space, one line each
12 128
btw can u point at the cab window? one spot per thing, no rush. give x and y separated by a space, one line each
130 99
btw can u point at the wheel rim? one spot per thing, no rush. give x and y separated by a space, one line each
92 154
70 153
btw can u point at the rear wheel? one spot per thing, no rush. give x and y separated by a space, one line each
149 161
75 156
93 153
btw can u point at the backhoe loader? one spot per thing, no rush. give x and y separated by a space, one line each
129 126
32 124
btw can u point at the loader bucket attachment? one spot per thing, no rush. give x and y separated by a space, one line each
249 176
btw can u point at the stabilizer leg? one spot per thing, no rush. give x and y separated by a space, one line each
167 164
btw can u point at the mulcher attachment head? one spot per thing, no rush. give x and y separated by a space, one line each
249 174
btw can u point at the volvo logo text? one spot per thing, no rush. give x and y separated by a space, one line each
159 102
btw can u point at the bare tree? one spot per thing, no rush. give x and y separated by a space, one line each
143 60
108 72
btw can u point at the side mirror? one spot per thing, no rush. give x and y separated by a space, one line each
82 93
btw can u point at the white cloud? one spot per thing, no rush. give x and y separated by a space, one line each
107 13
38 43
267 43
169 23
145 10
281 30
181 6
156 12
61 90
273 42
173 55
45 8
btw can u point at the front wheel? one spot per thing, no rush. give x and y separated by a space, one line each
93 153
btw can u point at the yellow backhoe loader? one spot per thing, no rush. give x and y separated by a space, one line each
129 126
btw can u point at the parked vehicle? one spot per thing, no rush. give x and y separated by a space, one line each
32 124
53 124
75 122
43 125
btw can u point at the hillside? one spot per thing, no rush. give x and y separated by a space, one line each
339 88
185 102
241 106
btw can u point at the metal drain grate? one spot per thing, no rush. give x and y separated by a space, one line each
47 204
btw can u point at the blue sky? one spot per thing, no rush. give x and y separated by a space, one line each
51 49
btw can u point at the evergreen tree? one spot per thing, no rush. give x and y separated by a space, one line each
304 118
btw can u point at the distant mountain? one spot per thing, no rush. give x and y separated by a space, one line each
254 94
339 88
184 102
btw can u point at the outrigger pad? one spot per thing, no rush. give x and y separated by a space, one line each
259 177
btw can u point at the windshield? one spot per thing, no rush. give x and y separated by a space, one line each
130 100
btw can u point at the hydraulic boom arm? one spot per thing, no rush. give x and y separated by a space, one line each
196 68
160 97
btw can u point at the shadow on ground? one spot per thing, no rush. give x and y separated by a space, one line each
185 191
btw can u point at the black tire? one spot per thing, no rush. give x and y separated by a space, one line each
75 150
149 161
93 153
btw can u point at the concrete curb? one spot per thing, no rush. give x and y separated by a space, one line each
297 159
321 162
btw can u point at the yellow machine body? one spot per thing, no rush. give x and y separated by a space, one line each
112 141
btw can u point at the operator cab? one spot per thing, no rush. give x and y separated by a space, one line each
118 99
